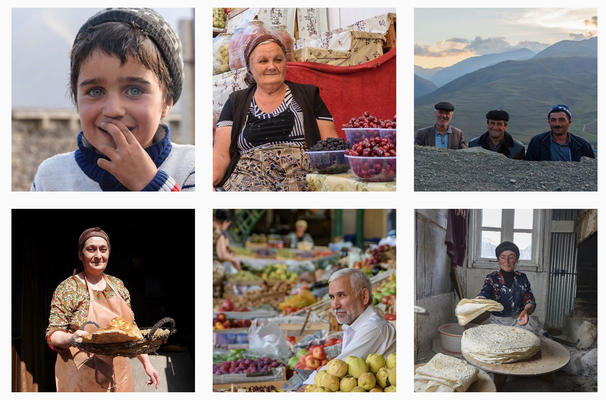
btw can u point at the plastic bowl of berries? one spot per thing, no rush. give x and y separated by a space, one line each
368 126
389 134
373 169
373 160
328 156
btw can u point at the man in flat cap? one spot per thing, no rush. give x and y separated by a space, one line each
558 144
441 134
496 138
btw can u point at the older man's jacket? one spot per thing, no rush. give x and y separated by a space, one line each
511 147
426 137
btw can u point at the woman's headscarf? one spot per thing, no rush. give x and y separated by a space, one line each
507 246
89 233
257 40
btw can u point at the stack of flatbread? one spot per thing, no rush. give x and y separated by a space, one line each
445 374
468 309
499 344
118 330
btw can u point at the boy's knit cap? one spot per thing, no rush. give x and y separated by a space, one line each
156 27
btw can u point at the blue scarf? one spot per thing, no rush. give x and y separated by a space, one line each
87 157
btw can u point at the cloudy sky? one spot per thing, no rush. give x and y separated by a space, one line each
41 41
444 37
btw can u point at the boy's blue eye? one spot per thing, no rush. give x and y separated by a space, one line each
135 91
95 92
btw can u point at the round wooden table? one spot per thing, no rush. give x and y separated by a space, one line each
482 384
544 364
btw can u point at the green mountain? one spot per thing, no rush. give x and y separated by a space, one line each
526 90
570 48
423 86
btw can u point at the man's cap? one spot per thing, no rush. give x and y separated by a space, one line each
498 115
560 108
444 105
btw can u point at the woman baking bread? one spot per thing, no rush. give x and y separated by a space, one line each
511 288
90 295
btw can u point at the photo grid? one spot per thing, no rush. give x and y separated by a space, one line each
503 243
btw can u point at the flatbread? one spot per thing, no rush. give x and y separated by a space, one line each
499 344
468 309
118 330
445 374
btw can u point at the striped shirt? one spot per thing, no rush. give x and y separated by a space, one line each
284 125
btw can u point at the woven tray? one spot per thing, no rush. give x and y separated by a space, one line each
153 338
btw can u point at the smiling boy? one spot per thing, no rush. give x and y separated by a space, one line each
126 75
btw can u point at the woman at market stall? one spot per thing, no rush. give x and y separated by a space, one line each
221 251
90 295
263 131
511 288
299 235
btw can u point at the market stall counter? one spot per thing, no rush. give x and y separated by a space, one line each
346 182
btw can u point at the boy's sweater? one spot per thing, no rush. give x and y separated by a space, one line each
78 171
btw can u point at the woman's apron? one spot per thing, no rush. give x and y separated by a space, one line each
78 371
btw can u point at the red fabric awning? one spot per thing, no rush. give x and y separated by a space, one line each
349 91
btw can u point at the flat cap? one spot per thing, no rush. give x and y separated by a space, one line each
444 105
498 115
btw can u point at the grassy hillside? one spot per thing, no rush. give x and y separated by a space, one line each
526 90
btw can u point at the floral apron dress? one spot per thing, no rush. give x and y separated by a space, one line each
78 371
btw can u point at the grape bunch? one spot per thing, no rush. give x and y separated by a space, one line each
331 144
246 366
370 121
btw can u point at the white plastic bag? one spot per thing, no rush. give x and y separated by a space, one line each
266 337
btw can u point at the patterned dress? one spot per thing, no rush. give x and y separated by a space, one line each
69 306
513 299
272 147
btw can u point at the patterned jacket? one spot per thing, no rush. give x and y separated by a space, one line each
513 299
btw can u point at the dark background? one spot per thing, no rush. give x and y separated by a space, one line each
152 252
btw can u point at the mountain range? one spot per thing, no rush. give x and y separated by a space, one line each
564 73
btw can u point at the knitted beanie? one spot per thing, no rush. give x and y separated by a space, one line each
156 27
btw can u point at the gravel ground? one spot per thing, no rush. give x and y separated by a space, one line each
477 169
30 147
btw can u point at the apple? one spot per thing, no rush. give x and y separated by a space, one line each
312 362
302 358
319 353
311 349
221 317
228 305
330 342
324 362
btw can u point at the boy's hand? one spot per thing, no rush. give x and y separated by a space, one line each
130 163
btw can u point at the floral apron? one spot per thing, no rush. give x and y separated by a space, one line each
78 371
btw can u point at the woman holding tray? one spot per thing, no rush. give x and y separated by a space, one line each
90 295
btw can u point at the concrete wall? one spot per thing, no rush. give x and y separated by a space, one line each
433 286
